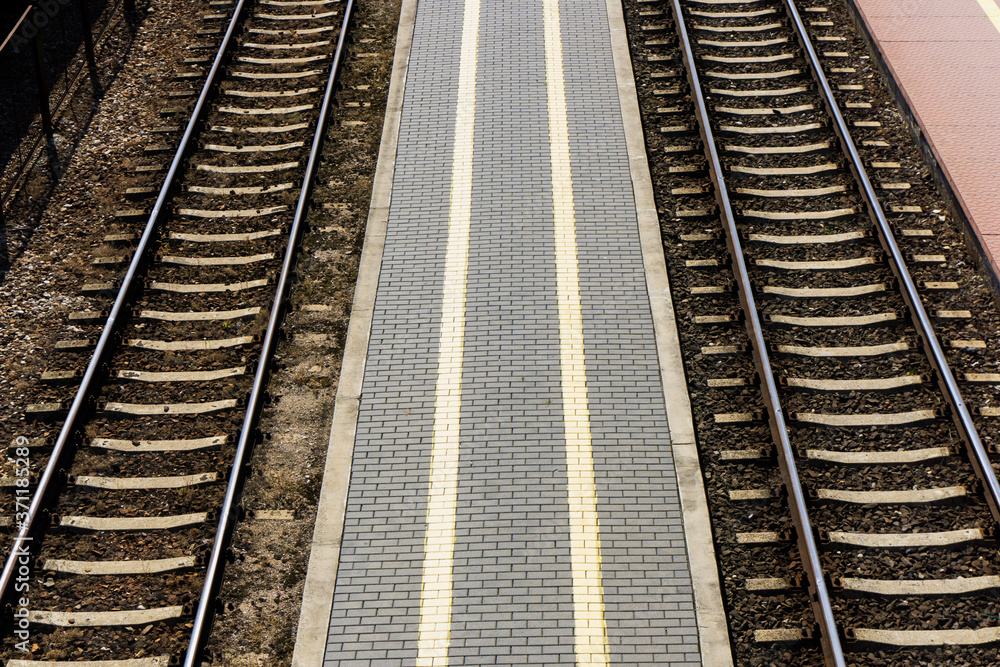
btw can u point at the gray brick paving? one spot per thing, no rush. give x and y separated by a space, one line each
515 594
512 583
649 606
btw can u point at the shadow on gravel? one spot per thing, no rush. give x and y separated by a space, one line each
73 51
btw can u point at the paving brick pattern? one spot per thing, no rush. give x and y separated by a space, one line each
512 580
513 589
376 605
648 600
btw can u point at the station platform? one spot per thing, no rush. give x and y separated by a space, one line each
512 476
945 58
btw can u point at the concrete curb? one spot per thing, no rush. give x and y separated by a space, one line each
324 555
713 630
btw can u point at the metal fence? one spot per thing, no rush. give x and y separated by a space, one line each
51 76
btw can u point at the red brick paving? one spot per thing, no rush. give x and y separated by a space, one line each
946 57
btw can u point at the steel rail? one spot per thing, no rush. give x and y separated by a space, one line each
946 380
808 550
231 510
105 344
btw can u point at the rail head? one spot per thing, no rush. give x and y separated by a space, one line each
35 514
960 414
808 549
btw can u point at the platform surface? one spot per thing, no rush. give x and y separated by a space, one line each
946 57
513 497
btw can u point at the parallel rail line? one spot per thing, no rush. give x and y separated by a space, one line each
797 205
181 366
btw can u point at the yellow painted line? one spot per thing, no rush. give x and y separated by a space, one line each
590 629
992 11
434 632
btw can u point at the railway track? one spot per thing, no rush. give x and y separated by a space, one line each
121 552
859 503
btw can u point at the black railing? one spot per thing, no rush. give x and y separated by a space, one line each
50 81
